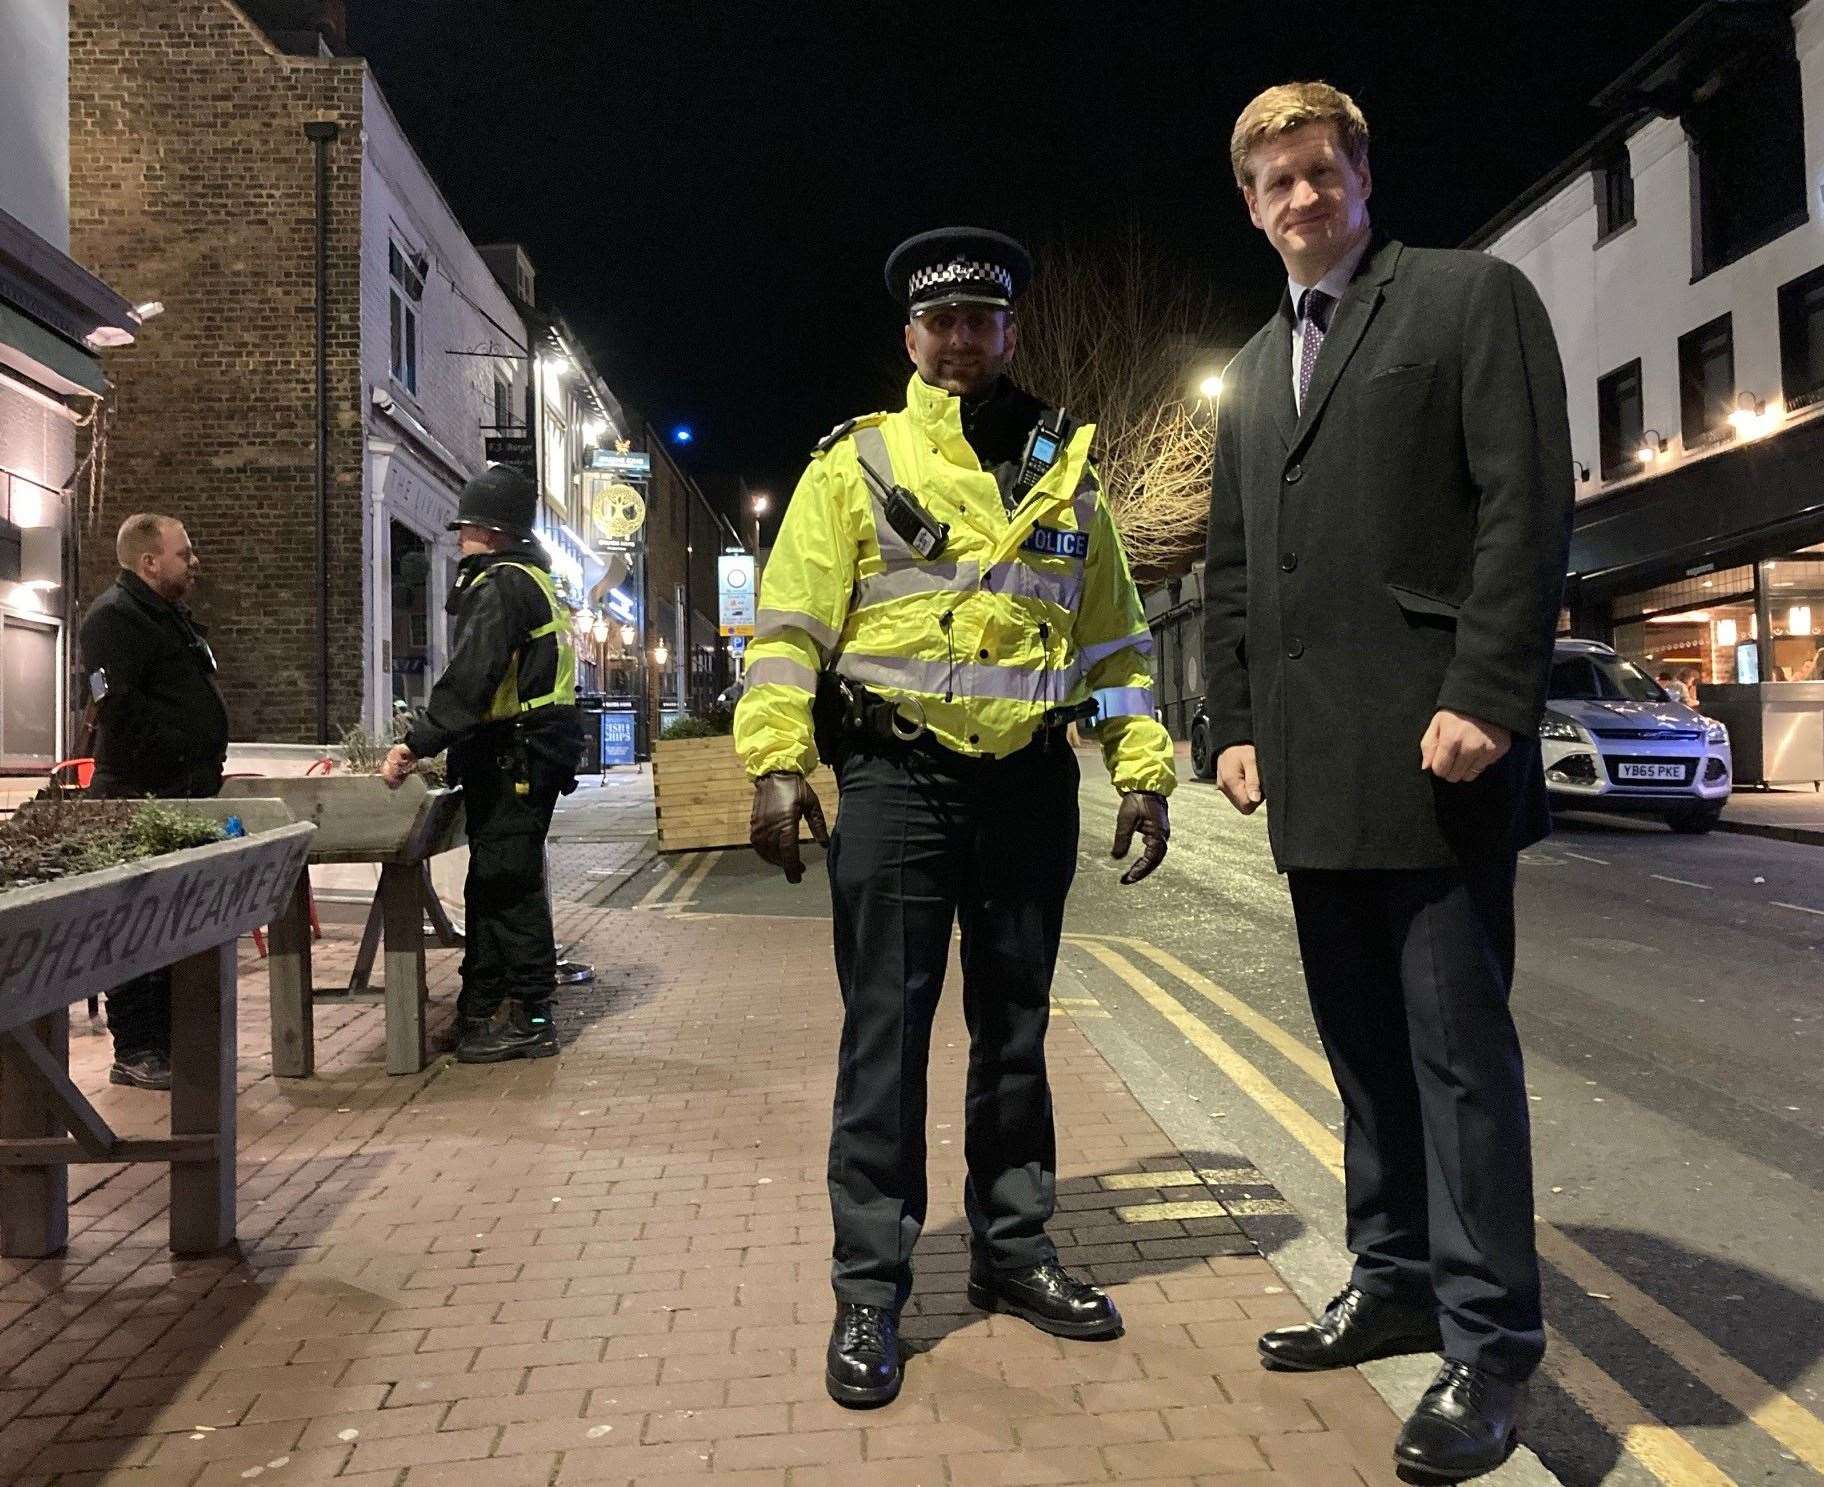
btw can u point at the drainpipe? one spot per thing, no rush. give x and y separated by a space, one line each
320 132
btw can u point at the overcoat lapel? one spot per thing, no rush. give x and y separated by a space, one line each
1354 313
1279 373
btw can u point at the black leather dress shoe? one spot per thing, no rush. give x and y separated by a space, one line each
142 1071
1048 1296
1354 1328
862 1368
1467 1423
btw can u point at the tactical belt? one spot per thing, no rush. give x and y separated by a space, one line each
847 710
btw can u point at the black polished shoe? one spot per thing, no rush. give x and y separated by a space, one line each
1048 1296
861 1369
1355 1328
1467 1423
142 1071
523 1033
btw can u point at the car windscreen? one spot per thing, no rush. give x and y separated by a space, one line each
1602 679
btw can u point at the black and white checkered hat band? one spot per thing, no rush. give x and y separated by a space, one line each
959 271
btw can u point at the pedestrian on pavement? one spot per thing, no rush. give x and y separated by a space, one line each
948 586
1389 525
1671 686
1687 681
505 708
161 730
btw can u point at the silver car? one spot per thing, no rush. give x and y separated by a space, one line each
1614 741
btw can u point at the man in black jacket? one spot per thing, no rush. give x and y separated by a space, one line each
162 729
1389 521
505 708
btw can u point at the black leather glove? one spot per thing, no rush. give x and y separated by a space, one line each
781 800
1144 812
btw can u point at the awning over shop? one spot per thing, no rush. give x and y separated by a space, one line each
46 358
1706 510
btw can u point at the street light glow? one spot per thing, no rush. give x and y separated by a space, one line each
761 502
626 634
1210 387
660 654
682 434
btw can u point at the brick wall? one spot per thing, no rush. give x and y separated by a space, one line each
191 182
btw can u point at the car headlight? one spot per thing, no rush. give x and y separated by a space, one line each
1715 732
1558 726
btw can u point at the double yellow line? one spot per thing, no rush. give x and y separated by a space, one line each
686 882
1655 1445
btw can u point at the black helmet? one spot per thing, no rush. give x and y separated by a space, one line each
500 497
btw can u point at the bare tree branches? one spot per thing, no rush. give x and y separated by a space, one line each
1118 333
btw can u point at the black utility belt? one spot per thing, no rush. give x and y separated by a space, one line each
848 710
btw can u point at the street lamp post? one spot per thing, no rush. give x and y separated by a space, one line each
761 502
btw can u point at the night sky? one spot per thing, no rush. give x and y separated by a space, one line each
708 188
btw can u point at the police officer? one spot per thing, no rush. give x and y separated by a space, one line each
948 588
505 708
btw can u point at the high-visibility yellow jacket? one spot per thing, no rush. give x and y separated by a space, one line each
1018 614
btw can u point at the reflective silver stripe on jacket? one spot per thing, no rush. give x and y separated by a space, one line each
1124 702
871 445
966 679
925 578
781 672
769 623
1089 655
1026 582
1083 504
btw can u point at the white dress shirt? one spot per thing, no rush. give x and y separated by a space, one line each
1334 283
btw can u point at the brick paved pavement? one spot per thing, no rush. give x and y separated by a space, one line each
611 1268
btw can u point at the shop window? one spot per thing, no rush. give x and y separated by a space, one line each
1614 192
1619 420
1706 382
1795 610
503 405
1748 147
1695 631
411 613
1802 339
406 289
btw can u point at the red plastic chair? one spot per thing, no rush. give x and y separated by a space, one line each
82 772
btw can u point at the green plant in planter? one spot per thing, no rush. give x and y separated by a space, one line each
60 840
364 752
717 722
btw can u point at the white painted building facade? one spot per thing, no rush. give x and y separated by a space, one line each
1681 256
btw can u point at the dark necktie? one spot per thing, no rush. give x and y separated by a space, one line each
1314 310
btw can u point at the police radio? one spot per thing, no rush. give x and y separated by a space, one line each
1044 444
923 533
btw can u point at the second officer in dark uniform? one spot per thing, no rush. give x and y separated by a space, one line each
948 585
505 708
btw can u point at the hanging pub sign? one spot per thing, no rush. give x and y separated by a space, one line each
616 510
628 464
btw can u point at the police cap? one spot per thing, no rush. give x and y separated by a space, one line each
500 497
958 266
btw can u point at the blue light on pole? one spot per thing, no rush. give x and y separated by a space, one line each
682 434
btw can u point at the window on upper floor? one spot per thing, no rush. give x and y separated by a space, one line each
1706 382
1802 339
1614 192
405 290
1619 421
1748 159
503 404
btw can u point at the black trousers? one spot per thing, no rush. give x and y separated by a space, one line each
509 949
928 839
139 1011
1410 973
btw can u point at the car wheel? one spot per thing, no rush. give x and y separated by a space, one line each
1693 822
1201 763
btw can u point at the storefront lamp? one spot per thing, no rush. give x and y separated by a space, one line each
1652 445
1725 634
1798 620
660 654
599 631
626 634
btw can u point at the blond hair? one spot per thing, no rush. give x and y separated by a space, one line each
141 533
1291 106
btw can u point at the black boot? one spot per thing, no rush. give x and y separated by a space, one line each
526 1032
465 1028
861 1368
1467 1423
1048 1296
1354 1328
141 1071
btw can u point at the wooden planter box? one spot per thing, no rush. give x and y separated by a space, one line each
62 942
358 819
705 797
